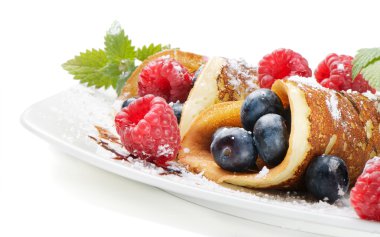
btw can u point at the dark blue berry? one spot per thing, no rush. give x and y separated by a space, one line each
177 109
218 131
127 102
257 104
271 137
326 178
196 74
233 150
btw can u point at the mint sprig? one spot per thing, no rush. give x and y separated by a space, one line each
118 46
112 66
144 52
367 62
372 74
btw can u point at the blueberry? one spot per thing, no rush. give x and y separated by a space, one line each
257 104
197 72
128 101
218 131
271 138
326 178
233 150
177 109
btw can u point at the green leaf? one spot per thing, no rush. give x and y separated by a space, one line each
117 45
372 74
363 58
92 68
111 66
144 52
111 74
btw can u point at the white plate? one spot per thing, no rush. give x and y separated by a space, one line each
66 120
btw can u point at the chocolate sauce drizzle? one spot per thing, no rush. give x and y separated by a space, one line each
107 147
104 139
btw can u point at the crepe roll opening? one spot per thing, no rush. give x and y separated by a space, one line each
198 157
294 99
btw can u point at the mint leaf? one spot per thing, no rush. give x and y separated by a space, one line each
372 74
111 66
110 76
363 58
92 68
117 45
144 52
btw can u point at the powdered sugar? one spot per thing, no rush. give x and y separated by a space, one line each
370 95
178 68
242 70
235 83
251 83
81 108
263 172
332 104
370 162
341 192
285 199
186 150
310 81
165 150
117 105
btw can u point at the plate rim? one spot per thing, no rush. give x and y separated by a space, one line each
194 192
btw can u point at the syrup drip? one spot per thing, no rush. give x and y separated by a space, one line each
107 135
106 146
104 139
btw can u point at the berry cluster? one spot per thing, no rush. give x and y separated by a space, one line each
148 126
335 72
265 134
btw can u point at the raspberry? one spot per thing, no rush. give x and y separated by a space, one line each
166 78
148 129
365 196
279 64
335 72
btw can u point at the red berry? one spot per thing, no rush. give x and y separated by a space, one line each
335 72
365 196
166 78
279 64
148 129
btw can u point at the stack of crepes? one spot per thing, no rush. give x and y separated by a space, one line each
323 121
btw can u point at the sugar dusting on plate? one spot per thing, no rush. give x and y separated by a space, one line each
86 107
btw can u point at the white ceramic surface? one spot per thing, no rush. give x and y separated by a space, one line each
66 119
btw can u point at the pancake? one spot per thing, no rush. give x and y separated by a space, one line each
323 121
220 80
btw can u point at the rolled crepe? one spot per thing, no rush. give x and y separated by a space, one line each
323 121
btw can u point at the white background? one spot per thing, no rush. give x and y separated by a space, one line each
46 193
